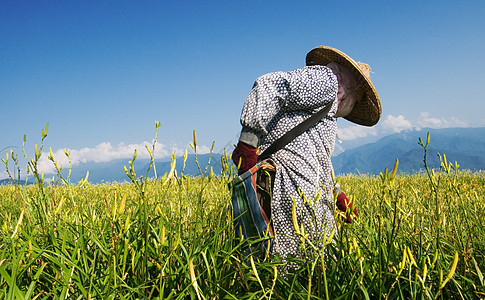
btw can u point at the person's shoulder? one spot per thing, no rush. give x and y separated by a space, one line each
315 72
273 76
316 69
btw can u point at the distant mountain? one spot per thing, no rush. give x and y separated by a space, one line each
21 181
464 145
113 171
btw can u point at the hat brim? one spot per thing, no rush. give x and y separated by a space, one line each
368 110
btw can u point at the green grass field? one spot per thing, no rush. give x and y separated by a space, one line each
416 236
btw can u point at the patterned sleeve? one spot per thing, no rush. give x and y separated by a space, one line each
268 95
305 89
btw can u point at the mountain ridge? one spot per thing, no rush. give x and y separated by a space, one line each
464 145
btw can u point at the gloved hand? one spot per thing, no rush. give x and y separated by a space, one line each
342 204
246 154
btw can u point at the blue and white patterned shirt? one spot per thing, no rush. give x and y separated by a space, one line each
278 102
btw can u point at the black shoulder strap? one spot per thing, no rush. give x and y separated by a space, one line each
295 131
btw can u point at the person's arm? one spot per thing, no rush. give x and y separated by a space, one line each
267 96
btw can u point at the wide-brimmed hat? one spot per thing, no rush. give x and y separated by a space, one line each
368 110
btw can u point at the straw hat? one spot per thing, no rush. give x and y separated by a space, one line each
368 110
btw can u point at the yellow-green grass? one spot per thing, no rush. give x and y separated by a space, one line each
416 236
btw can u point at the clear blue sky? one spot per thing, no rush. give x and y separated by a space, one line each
101 72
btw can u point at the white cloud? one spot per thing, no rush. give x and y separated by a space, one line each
103 152
426 121
202 149
355 132
396 124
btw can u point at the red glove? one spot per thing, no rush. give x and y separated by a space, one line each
342 204
246 155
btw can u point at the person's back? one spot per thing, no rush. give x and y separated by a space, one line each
302 194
